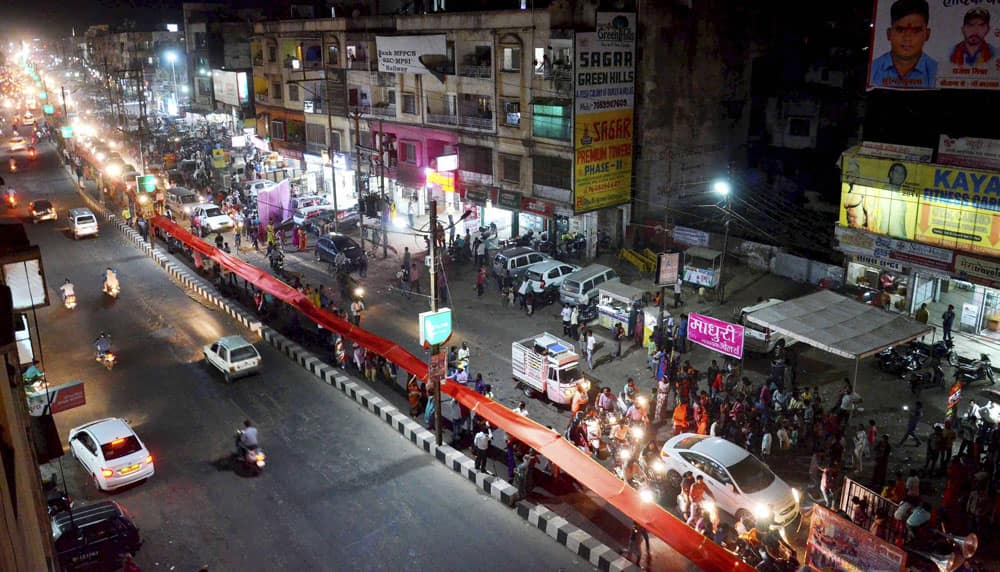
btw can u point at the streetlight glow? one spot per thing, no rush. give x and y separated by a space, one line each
171 57
721 187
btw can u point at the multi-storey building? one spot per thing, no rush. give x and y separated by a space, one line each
489 129
216 38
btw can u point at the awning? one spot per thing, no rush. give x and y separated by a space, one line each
702 252
838 324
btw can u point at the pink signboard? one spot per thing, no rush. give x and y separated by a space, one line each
715 334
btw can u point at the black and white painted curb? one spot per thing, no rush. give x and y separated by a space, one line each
576 540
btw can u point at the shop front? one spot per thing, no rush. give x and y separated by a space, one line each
974 291
881 282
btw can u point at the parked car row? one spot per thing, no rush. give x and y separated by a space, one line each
577 286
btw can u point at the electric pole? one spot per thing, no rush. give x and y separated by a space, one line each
436 348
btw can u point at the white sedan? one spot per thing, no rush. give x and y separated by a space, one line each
111 452
17 144
740 483
233 356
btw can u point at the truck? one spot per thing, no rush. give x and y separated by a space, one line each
546 365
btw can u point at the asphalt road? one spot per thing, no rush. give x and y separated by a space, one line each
341 490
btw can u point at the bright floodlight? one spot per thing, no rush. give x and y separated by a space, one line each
171 56
721 187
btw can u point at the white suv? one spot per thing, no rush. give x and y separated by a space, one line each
549 274
212 218
740 483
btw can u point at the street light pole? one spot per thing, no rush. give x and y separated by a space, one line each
436 348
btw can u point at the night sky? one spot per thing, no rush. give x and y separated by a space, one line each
50 19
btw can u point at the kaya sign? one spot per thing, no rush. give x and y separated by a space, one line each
717 335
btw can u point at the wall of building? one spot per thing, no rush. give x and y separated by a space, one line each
692 96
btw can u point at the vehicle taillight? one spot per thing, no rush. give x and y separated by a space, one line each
107 472
149 459
543 284
260 457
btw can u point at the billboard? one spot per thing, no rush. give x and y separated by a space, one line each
944 206
230 87
972 152
840 545
715 334
404 54
604 84
959 54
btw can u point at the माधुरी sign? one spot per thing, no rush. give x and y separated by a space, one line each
402 54
714 334
435 327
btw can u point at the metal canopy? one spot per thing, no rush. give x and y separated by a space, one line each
838 324
702 252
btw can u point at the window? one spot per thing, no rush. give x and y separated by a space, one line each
316 134
390 97
476 159
410 103
552 121
335 141
512 113
408 152
510 168
275 90
278 130
296 132
120 448
293 92
552 171
799 127
272 54
333 54
512 59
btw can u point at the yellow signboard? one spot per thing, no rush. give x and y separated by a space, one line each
941 205
219 158
603 164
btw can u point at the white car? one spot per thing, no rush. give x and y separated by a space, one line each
29 119
252 188
212 218
740 483
305 213
17 144
296 203
111 452
233 356
549 274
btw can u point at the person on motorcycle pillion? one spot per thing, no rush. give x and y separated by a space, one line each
102 344
67 289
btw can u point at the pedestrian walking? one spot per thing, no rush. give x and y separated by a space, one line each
237 239
882 452
566 313
633 552
682 334
406 257
935 445
947 319
922 315
415 277
574 322
403 275
482 445
481 281
303 239
677 292
619 334
363 265
591 344
529 301
860 446
357 307
911 425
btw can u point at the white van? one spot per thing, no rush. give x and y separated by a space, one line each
296 203
212 218
251 188
758 339
82 222
180 201
580 287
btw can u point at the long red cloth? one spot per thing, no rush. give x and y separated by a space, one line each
694 546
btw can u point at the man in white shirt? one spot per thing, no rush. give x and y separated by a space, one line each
677 292
481 443
566 314
462 376
521 409
591 344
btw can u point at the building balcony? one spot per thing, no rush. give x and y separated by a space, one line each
362 109
482 122
384 110
357 64
481 72
442 119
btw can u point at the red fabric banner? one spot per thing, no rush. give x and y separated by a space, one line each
700 550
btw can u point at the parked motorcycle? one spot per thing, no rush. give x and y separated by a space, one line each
957 360
940 349
896 362
923 379
978 370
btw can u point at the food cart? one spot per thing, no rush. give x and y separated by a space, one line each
701 266
614 305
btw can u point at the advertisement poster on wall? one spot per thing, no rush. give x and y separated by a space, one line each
944 206
839 545
715 334
960 54
408 54
602 126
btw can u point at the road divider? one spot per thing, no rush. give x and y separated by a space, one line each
573 538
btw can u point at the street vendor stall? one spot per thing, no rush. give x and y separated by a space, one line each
615 301
701 266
